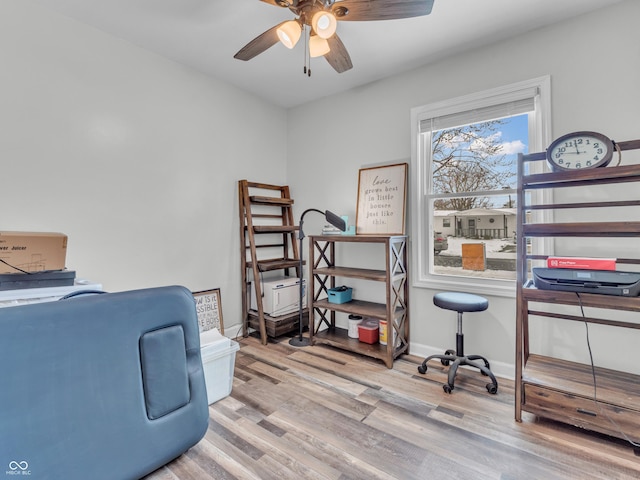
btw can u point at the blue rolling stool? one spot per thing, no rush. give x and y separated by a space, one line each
461 302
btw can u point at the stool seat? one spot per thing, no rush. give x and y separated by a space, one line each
460 302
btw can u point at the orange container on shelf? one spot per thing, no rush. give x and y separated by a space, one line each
383 332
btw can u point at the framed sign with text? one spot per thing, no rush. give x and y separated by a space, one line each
382 200
209 310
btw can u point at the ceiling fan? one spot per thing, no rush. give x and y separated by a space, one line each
320 17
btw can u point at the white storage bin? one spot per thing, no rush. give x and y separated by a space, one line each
212 340
218 361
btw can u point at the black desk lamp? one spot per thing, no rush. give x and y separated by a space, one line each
337 222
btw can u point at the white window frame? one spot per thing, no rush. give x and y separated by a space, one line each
422 208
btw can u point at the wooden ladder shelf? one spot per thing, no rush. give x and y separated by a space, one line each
267 243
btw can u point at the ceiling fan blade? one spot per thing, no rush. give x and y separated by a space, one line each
365 10
338 57
279 3
259 44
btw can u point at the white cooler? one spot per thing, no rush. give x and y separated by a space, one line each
218 360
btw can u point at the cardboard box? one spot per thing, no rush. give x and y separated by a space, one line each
474 257
582 263
32 251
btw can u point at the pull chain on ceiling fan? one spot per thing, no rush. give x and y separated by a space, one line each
322 17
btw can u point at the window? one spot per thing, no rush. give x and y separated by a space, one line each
464 175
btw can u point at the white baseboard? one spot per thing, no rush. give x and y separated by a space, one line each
499 369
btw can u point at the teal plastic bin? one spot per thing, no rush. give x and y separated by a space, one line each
339 294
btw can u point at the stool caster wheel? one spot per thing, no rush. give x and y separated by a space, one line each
492 389
447 388
422 369
444 361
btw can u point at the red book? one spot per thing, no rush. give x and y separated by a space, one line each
582 263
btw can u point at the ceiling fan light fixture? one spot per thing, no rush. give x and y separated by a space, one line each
318 46
289 33
324 23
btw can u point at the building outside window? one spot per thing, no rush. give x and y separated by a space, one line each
464 175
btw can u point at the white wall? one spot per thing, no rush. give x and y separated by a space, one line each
137 158
134 157
593 63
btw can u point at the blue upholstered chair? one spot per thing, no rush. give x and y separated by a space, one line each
100 387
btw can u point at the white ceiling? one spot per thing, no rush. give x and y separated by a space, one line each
205 34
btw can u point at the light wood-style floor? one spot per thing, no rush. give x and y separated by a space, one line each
320 413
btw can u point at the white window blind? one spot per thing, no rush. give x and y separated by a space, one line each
516 106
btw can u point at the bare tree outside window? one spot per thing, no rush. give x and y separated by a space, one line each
469 159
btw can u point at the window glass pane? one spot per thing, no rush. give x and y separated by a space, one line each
477 242
477 157
474 235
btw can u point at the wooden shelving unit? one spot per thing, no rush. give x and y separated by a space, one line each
267 243
395 308
553 387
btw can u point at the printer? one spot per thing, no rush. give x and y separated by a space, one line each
280 296
605 282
